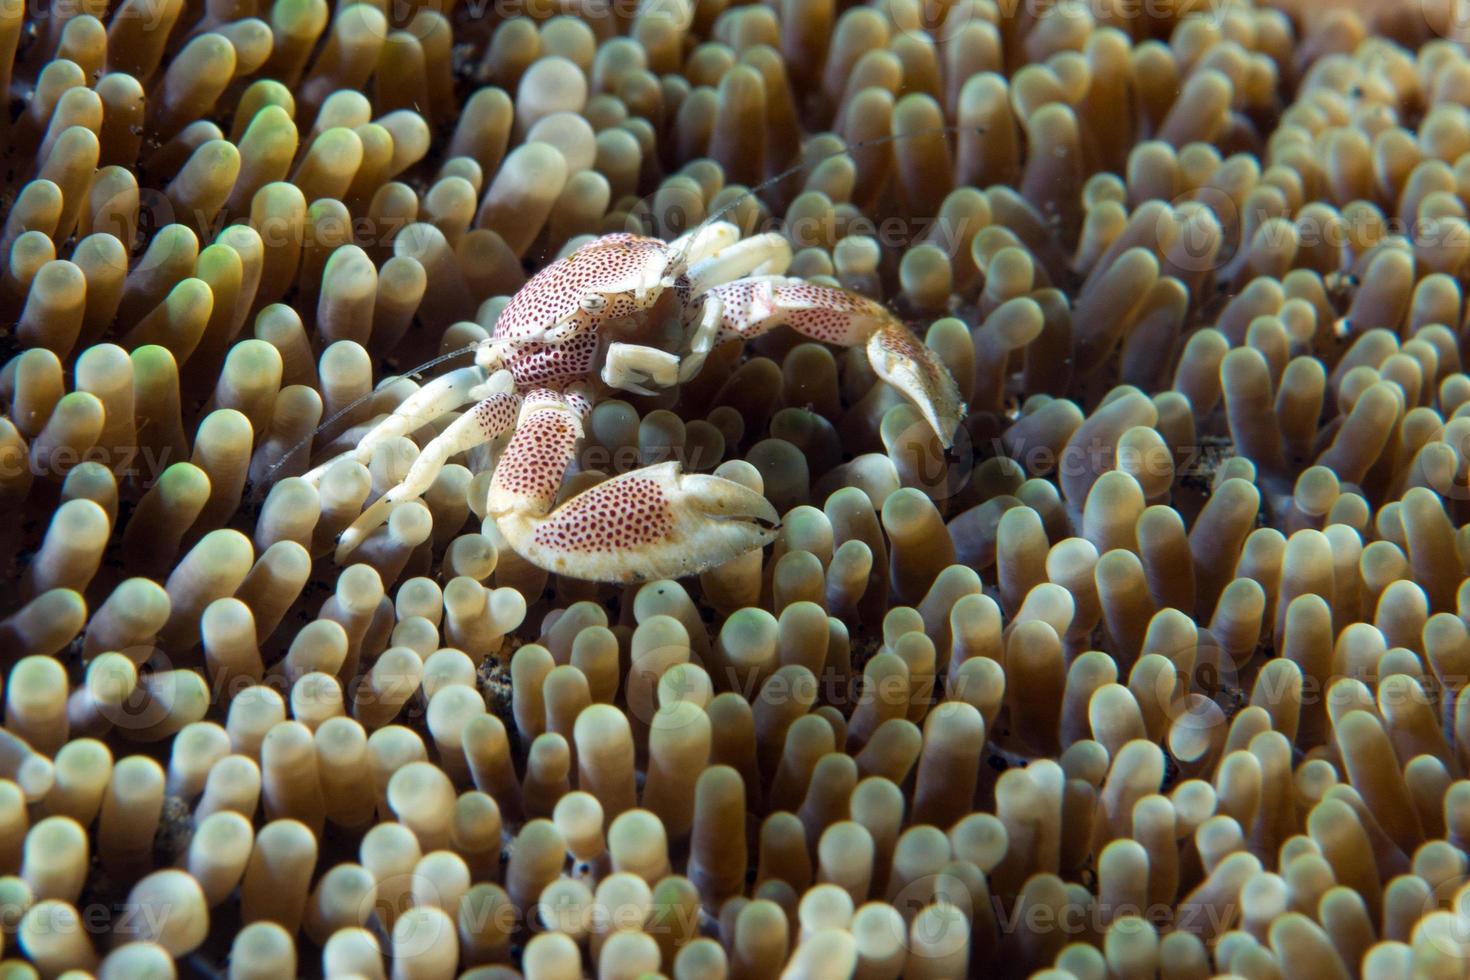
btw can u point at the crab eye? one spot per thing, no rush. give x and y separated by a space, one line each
593 303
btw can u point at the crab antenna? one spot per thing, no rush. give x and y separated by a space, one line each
359 400
693 235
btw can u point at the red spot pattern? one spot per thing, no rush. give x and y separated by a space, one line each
748 309
497 413
898 341
832 316
581 402
902 343
536 459
555 365
619 515
610 266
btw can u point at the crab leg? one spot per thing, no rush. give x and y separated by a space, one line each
489 418
767 253
529 472
705 240
702 337
438 397
651 523
751 307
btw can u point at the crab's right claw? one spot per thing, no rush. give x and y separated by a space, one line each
638 369
904 361
652 523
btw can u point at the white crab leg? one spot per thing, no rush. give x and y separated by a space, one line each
769 253
440 396
489 418
702 339
700 242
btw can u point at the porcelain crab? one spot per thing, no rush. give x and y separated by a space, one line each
552 355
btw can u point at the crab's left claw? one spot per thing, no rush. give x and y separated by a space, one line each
750 307
904 361
652 523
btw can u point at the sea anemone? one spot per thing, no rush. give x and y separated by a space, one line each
1156 668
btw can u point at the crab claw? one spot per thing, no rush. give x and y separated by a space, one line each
905 362
651 523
